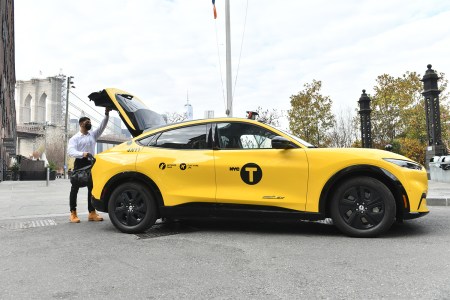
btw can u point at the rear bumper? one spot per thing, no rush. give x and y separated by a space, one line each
99 205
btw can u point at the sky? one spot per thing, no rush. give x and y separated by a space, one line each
168 51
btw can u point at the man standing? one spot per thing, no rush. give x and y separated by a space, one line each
80 146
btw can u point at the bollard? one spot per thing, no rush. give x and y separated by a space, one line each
440 168
48 174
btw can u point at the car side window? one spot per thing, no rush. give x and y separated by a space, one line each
191 137
149 140
237 135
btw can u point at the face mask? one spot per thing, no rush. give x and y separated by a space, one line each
88 126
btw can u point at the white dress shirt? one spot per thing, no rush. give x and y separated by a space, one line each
80 143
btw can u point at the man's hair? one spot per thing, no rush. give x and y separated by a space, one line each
82 119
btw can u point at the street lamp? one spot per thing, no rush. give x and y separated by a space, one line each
69 85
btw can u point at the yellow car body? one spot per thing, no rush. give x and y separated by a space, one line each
231 167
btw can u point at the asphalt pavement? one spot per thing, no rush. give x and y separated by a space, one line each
31 199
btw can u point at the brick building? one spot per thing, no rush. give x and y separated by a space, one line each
8 133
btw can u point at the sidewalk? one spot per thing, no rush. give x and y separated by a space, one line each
31 199
24 199
438 193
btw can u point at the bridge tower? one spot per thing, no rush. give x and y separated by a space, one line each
40 101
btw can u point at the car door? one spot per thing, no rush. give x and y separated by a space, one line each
181 163
250 172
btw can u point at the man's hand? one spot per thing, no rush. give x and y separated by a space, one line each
85 154
107 110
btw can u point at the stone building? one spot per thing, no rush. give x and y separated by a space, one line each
39 111
7 82
39 101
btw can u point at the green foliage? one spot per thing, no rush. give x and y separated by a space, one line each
52 166
394 106
356 144
398 113
15 167
411 148
310 116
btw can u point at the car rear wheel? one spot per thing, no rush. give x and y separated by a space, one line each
132 208
363 207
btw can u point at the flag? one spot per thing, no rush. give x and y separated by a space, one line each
214 9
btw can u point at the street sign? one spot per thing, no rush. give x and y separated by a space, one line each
10 145
9 142
10 150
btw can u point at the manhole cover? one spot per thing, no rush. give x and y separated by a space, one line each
164 229
29 224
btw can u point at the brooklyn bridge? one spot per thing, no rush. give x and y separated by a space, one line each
33 131
34 139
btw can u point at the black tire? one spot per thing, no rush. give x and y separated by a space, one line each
363 207
132 208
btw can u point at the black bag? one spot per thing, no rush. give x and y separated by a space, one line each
80 177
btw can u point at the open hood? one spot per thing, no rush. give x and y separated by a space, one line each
133 112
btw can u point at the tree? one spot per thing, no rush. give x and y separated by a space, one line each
53 147
398 111
412 148
393 105
175 117
344 132
310 116
271 117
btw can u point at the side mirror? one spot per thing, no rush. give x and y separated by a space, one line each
280 142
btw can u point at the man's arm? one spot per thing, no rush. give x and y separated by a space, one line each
98 132
72 149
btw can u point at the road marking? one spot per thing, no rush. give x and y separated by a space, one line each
29 224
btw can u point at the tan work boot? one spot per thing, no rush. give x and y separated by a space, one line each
74 217
94 216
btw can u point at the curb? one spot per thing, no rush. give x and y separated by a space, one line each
438 201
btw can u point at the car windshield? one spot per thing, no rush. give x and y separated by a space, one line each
305 143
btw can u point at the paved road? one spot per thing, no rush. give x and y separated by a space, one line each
42 256
223 260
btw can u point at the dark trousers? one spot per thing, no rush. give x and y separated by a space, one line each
79 163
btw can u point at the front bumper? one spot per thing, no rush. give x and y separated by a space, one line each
414 215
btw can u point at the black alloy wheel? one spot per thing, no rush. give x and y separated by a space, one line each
132 208
363 207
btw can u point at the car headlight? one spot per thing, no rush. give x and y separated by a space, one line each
404 163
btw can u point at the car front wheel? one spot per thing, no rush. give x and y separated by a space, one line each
132 208
363 207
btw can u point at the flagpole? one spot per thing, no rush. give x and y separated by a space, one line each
229 110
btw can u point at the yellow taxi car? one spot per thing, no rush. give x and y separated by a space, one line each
241 168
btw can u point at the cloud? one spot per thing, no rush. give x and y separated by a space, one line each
160 50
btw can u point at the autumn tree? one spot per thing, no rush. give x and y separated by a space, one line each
395 108
310 116
398 114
